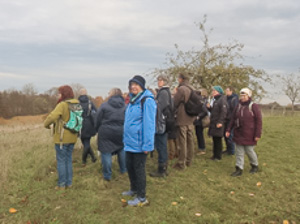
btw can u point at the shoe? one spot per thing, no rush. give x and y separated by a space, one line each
129 193
254 169
177 166
238 172
58 188
140 202
161 171
188 164
70 186
157 174
94 160
83 165
201 152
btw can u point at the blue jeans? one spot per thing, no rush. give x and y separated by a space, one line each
161 147
106 160
64 164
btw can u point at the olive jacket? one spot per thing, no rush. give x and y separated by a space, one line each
59 115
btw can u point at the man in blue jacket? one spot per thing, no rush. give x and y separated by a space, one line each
139 131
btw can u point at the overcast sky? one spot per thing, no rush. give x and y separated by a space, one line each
103 43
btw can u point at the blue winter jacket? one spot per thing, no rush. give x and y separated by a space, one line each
139 126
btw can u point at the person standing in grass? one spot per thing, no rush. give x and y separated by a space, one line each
247 124
139 131
198 125
218 112
184 123
164 101
232 102
110 124
88 129
64 139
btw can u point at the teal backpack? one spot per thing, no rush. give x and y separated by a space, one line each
74 124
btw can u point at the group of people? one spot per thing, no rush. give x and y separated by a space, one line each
132 128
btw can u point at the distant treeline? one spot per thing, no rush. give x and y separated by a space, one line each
28 102
16 103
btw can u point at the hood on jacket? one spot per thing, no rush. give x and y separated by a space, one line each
83 99
146 93
116 101
71 101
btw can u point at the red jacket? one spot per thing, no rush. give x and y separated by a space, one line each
247 123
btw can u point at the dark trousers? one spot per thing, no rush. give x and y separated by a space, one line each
161 147
87 149
217 147
230 145
136 164
200 137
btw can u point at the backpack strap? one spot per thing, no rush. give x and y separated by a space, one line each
89 108
249 106
143 101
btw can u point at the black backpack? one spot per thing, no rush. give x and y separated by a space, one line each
169 115
193 106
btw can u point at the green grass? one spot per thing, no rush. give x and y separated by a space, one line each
28 177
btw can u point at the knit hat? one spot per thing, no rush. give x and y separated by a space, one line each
219 89
246 91
139 80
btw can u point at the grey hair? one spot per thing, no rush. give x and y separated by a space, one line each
115 92
82 92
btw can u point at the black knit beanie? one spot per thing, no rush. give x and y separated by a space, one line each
139 80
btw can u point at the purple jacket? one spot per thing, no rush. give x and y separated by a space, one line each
247 123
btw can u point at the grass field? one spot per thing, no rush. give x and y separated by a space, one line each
28 177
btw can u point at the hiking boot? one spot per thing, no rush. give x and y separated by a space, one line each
140 202
238 172
177 166
188 164
161 171
254 169
129 193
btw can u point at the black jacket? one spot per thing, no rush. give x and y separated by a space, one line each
232 102
204 112
109 123
218 115
87 130
162 101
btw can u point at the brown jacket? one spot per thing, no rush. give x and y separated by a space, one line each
181 97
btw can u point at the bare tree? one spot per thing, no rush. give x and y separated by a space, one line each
52 91
291 88
76 88
29 89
